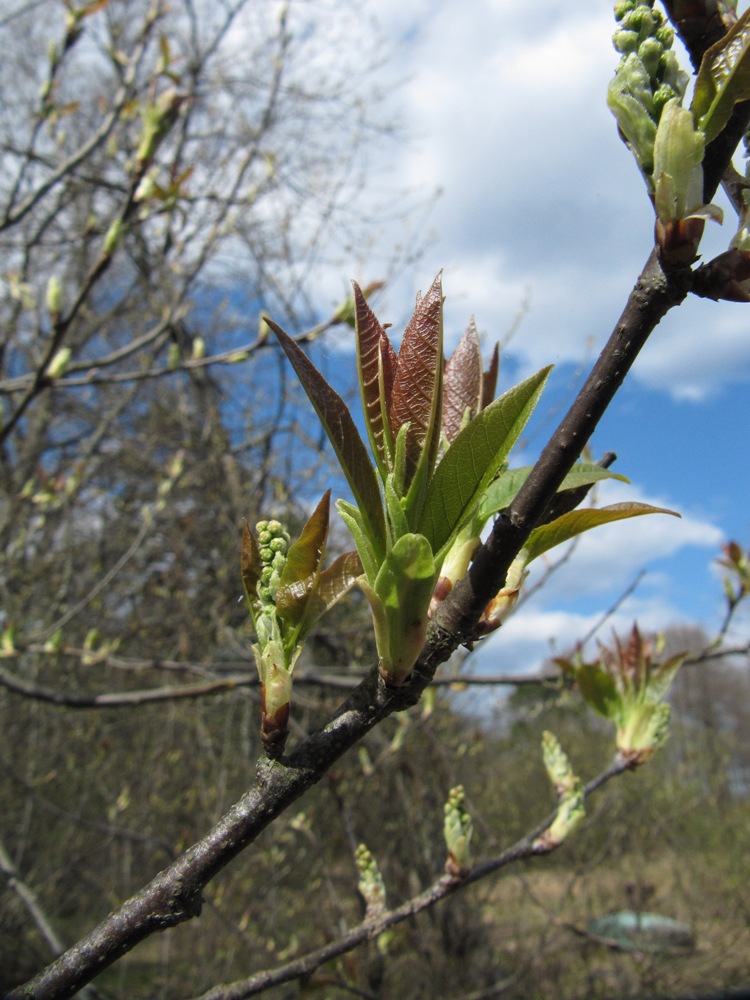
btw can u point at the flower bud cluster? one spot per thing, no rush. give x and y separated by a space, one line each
457 829
370 883
647 77
273 540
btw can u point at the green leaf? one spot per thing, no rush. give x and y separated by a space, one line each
352 518
376 365
502 491
400 601
304 560
417 397
338 424
462 383
567 526
397 521
723 79
471 462
599 691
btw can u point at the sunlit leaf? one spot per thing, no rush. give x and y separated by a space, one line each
333 583
501 491
342 432
352 518
416 390
723 79
462 382
567 526
400 600
303 565
473 459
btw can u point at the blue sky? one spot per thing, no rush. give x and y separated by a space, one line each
503 111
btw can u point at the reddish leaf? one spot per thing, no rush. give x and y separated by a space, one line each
376 361
250 564
489 378
462 382
417 388
333 583
337 422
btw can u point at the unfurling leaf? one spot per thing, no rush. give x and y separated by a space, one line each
470 463
301 572
723 79
567 526
400 600
462 383
626 685
376 364
417 388
342 432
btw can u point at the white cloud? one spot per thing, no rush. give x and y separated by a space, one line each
604 564
696 358
539 194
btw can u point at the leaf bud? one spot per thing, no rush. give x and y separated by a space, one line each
457 829
370 884
59 363
113 237
54 297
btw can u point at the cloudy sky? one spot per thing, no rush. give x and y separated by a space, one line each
542 211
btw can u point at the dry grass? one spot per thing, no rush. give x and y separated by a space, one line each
539 919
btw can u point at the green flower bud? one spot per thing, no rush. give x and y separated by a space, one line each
266 554
671 74
370 884
662 95
650 52
260 527
264 537
665 35
625 41
277 545
623 7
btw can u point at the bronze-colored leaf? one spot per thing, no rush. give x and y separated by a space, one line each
250 564
489 378
376 363
299 578
462 383
342 432
416 399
